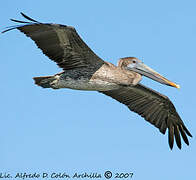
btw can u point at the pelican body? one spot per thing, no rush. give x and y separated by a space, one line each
84 70
107 77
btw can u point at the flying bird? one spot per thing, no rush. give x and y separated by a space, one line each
84 70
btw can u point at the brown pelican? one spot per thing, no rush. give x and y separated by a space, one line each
84 70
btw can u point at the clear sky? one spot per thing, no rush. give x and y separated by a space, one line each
45 130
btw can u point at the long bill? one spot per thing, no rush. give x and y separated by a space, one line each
143 69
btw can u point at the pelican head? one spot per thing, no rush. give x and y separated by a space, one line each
136 65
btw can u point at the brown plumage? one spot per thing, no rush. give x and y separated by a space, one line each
84 70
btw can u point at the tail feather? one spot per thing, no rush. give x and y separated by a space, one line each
44 81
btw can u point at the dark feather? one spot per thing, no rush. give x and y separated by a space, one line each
60 43
183 135
171 135
18 21
27 17
177 136
155 108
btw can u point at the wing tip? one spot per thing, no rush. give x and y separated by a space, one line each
8 29
171 141
31 21
187 132
171 144
178 132
27 17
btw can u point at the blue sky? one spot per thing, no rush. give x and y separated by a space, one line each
45 130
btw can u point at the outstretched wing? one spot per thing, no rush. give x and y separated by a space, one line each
155 108
60 43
